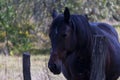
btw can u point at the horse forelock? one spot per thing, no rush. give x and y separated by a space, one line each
56 23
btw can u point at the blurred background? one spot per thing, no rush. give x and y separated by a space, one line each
24 27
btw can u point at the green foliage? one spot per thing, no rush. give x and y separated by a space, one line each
17 33
25 22
39 51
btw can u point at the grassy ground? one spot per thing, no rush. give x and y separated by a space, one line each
11 68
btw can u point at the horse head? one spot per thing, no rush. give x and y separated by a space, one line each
63 40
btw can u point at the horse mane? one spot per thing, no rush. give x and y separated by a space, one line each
82 30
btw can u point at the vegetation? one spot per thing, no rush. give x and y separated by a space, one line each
24 23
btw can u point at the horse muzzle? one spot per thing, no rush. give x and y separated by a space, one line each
54 69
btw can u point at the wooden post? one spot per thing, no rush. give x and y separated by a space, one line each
26 66
98 58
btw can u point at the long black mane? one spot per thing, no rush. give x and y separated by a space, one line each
82 30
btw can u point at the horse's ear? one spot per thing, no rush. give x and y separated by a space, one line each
66 15
54 13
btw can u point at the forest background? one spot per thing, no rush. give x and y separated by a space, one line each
24 24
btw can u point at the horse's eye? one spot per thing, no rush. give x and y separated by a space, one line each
64 35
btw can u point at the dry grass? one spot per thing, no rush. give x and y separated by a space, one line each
11 68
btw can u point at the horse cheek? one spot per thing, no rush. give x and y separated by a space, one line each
70 44
67 44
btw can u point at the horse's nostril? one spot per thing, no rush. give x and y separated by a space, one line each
54 69
52 66
49 66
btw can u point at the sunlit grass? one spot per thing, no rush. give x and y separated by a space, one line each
11 68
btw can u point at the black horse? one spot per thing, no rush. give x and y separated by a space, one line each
72 43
